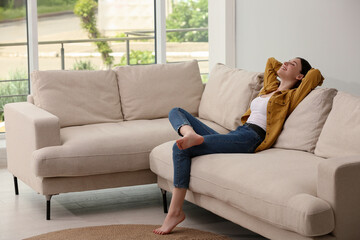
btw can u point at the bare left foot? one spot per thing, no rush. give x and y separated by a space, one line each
171 221
189 140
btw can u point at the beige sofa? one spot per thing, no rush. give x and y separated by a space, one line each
86 130
307 186
95 129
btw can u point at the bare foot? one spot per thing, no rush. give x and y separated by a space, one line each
171 221
189 140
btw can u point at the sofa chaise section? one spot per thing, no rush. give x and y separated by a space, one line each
276 186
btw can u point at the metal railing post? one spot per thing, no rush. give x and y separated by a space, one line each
62 57
127 50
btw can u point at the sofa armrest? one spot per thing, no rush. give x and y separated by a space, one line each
339 185
28 128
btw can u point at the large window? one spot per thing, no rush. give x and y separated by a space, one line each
93 35
13 54
187 32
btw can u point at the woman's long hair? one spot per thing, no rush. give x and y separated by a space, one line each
305 67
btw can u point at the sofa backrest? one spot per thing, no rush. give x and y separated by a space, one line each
228 95
302 128
340 136
78 97
151 91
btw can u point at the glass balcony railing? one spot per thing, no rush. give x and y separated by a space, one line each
17 89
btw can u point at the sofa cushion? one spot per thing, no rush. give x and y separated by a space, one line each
340 136
276 185
228 95
78 97
151 91
303 127
104 148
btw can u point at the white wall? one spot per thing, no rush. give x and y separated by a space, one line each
222 39
125 15
325 32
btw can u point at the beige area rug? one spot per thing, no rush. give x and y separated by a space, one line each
120 232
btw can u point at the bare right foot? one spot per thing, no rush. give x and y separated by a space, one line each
189 140
171 221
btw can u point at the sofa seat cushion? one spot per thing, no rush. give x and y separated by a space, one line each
104 148
277 186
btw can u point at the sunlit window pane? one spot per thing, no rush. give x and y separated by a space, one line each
67 39
13 54
187 33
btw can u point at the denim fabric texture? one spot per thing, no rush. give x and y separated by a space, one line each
242 140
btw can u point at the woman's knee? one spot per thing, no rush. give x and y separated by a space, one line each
175 148
175 109
179 152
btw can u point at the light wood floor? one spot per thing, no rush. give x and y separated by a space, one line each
24 215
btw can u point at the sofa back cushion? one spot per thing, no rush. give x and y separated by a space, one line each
78 97
340 135
151 91
303 127
228 95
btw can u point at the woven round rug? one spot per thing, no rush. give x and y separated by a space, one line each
119 232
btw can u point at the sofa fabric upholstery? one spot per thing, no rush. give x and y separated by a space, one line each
303 127
30 99
340 136
228 95
78 97
55 185
275 185
104 148
338 184
237 216
149 92
28 128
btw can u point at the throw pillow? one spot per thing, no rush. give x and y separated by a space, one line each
340 136
151 91
303 127
77 97
228 95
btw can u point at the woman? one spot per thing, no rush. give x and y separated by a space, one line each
262 124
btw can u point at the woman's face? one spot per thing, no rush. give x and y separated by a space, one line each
290 70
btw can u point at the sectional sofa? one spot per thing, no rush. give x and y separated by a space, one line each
86 130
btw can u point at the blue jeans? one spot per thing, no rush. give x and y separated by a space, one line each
242 140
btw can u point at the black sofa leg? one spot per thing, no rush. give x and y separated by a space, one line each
164 200
16 186
48 199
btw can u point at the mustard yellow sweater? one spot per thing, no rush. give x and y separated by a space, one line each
282 103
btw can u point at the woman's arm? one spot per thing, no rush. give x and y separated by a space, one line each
270 75
270 81
312 79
